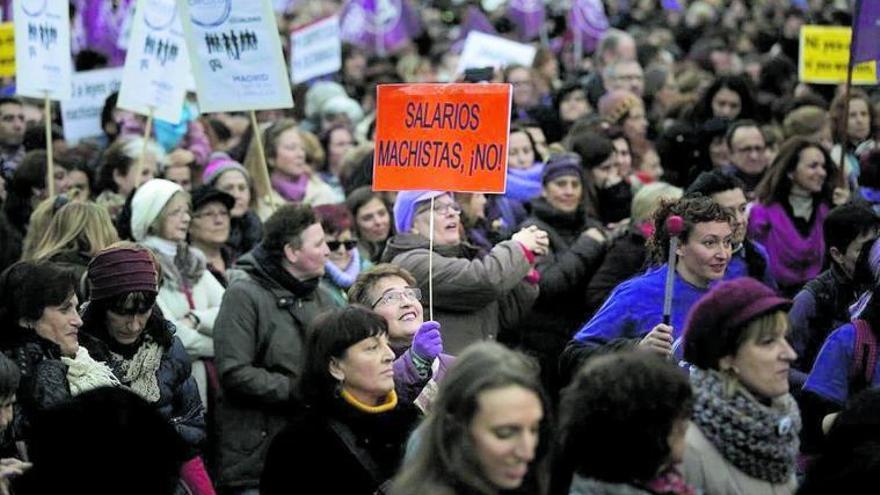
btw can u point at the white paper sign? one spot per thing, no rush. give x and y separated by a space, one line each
156 63
315 50
236 53
42 49
485 50
81 114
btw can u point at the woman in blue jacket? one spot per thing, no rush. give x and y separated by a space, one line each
633 313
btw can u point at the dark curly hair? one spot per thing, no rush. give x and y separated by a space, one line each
618 413
286 226
693 210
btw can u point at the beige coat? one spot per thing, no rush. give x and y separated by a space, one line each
707 470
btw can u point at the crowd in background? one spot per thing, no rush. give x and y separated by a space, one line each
171 323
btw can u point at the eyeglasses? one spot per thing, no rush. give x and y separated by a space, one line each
212 214
442 209
349 245
396 296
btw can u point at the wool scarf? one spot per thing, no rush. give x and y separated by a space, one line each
762 441
182 266
84 373
291 190
139 372
345 278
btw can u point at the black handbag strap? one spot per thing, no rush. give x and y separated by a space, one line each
364 458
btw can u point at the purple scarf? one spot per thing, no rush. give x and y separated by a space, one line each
291 190
524 184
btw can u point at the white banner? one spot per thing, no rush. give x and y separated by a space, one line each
156 64
81 114
316 50
486 50
42 49
236 54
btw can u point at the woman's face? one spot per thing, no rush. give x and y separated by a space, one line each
127 328
79 181
719 153
505 431
338 145
859 122
474 206
290 154
763 361
635 125
340 254
447 220
210 224
726 103
177 218
62 179
520 154
622 156
564 193
705 255
404 314
651 165
373 221
605 174
810 172
365 369
574 106
235 184
60 325
127 183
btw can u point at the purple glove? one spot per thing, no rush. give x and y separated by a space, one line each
427 342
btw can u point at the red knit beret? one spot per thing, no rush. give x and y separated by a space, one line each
717 320
121 270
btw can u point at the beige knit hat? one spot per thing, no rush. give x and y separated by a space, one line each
614 105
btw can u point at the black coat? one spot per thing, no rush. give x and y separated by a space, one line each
626 258
565 271
308 448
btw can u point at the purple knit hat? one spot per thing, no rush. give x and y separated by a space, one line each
717 320
121 270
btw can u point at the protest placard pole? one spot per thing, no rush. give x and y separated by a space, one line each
431 265
844 122
578 49
139 165
264 167
50 162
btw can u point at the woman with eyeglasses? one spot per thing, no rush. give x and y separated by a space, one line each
189 295
419 364
344 262
793 200
210 227
474 298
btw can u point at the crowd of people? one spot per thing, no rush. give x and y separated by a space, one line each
173 322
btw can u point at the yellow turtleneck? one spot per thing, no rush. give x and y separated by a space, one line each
389 404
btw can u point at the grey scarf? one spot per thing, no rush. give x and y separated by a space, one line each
762 441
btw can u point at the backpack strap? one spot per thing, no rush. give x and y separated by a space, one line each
861 371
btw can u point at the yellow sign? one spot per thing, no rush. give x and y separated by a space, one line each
7 50
825 57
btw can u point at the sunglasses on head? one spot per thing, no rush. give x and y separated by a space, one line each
349 245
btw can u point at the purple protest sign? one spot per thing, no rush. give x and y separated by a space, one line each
528 16
866 31
588 21
671 5
382 24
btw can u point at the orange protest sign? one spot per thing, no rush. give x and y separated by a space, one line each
444 137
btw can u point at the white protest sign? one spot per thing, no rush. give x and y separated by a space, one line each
486 50
81 114
42 49
316 50
236 55
156 64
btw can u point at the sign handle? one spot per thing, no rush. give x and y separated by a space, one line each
431 265
578 49
139 166
844 122
263 173
50 161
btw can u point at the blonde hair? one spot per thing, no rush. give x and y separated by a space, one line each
40 219
252 162
83 226
312 145
648 198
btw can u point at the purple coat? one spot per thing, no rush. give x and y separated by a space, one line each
794 259
407 382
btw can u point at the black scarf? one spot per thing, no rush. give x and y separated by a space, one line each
272 267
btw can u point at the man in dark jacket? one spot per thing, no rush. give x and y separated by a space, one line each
259 338
823 304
